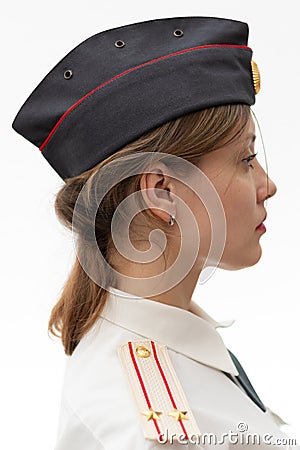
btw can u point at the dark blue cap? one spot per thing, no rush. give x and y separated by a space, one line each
123 82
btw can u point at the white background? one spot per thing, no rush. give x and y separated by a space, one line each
37 252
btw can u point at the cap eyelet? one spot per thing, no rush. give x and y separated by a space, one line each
178 33
68 74
120 44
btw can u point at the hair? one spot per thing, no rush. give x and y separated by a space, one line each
189 137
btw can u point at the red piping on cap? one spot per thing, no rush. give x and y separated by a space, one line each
125 73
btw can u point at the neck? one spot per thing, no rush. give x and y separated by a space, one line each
177 296
135 278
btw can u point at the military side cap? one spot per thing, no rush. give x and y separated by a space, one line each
120 83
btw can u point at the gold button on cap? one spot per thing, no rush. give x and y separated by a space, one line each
255 76
142 351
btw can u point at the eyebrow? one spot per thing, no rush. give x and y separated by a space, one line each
241 143
246 138
251 135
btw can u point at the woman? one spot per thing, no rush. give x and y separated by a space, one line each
149 125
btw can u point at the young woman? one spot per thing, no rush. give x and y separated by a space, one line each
150 127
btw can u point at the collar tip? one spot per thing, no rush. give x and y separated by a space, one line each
225 323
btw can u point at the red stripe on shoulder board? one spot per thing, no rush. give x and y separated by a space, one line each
142 384
127 72
167 386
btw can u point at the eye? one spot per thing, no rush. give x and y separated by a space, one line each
247 160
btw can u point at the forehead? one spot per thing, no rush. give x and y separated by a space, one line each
223 160
242 142
250 127
245 138
248 135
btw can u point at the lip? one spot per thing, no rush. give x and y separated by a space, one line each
261 225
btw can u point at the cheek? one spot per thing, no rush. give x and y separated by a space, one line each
239 206
209 218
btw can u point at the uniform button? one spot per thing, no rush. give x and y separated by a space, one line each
142 352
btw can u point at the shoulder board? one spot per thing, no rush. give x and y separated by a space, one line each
160 399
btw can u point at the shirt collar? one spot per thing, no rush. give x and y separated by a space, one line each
191 333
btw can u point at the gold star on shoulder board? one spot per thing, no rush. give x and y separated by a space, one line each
151 414
178 415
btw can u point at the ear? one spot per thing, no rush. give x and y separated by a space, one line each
158 189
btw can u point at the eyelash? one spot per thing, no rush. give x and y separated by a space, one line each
250 159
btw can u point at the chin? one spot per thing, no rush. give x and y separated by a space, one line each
238 264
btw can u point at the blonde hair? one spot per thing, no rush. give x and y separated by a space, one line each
189 137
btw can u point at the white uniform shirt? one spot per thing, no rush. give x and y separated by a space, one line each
98 408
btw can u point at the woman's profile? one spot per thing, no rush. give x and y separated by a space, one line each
150 128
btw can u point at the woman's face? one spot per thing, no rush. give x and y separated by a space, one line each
242 190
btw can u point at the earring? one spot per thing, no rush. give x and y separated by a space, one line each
172 220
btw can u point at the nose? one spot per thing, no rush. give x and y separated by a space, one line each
271 187
266 187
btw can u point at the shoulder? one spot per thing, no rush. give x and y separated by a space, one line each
108 386
96 396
